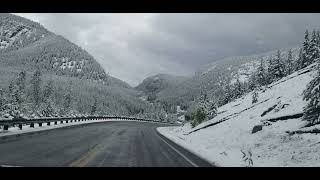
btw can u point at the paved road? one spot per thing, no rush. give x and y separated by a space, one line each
119 144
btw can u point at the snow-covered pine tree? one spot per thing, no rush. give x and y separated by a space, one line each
314 51
48 99
276 67
48 90
162 115
204 110
11 93
305 59
312 95
289 63
12 107
261 75
67 100
269 74
94 106
21 86
208 106
300 60
227 97
36 88
211 110
238 89
252 81
2 99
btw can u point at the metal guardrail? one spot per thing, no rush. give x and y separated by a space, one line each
60 120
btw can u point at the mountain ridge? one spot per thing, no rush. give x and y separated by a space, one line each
28 44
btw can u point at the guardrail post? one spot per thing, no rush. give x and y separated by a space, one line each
66 121
32 125
40 124
20 126
56 122
48 123
6 127
61 122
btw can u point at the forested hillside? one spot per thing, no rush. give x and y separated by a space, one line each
220 78
43 74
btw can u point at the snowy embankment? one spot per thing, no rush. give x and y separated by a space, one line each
225 143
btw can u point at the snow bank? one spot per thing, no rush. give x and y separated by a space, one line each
226 143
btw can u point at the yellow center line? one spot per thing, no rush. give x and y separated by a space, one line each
86 158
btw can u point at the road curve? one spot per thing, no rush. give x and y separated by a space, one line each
107 144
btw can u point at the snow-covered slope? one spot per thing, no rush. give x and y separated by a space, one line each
224 143
213 76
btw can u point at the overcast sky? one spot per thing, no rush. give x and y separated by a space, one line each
134 46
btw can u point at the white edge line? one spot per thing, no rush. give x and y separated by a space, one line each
177 151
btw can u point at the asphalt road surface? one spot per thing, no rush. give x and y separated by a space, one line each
105 144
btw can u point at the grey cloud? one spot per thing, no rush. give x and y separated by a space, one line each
133 46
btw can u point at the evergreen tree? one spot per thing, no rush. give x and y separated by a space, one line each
227 97
276 67
261 74
48 99
207 106
200 112
305 59
313 49
162 115
237 89
252 81
13 108
36 88
94 106
289 63
48 91
11 93
300 60
269 77
318 38
2 99
21 86
312 95
67 100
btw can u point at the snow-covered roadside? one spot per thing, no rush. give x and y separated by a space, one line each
28 129
226 143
